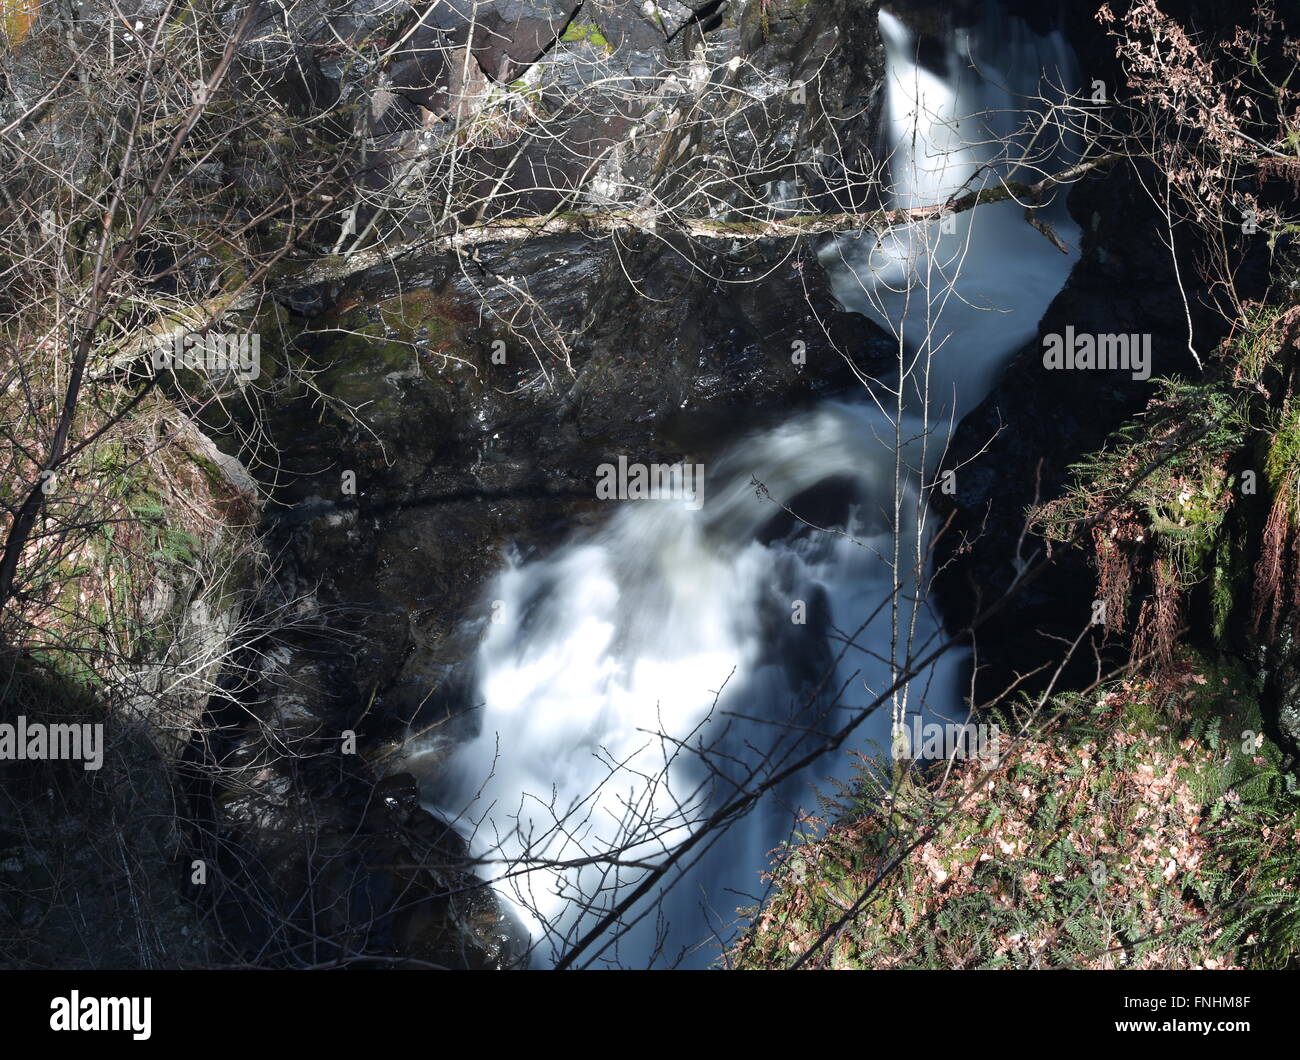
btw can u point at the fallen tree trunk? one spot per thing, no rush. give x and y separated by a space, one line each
597 224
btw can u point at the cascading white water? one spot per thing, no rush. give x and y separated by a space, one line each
623 654
968 291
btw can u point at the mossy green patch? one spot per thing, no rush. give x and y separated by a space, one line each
586 31
1282 463
366 355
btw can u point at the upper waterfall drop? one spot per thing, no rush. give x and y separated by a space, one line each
961 293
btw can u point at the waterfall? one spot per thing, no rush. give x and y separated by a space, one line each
970 290
622 655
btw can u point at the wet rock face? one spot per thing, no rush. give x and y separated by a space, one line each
673 352
831 61
505 36
476 59
327 872
799 81
1015 449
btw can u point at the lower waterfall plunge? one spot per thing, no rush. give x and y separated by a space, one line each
669 630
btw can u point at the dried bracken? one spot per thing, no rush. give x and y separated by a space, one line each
1099 851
